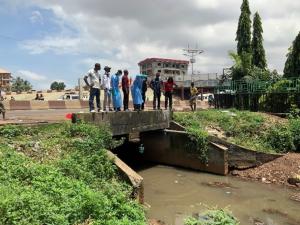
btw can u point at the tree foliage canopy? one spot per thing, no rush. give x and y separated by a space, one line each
57 86
18 85
243 34
292 64
258 51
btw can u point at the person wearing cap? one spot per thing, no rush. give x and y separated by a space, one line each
106 85
156 85
93 81
116 95
125 89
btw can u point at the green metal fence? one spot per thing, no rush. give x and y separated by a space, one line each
256 87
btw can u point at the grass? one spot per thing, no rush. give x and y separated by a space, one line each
60 174
256 131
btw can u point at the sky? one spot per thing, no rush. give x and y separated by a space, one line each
60 40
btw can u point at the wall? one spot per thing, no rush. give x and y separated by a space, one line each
171 148
123 123
243 158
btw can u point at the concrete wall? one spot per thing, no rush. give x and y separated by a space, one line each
243 158
172 148
130 176
238 156
123 123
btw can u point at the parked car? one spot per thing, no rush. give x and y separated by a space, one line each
69 97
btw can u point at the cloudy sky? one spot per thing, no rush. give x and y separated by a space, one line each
47 40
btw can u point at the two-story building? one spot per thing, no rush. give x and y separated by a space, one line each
177 69
5 80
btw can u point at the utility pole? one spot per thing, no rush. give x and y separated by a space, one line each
192 53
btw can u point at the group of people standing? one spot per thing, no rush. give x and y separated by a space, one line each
111 85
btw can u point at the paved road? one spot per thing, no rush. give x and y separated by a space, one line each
38 116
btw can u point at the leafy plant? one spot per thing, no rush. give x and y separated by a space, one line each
280 138
11 131
78 185
213 217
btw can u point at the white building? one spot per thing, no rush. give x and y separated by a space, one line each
178 69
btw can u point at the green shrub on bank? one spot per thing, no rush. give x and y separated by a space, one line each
294 125
80 185
248 129
280 138
213 217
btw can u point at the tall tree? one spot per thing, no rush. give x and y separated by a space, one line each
18 85
258 51
243 34
292 64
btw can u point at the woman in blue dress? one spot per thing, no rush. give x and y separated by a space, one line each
116 94
136 91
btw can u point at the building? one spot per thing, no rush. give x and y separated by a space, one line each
177 69
5 79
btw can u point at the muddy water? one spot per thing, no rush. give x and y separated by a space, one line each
172 194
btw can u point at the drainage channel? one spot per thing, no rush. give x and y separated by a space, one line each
172 193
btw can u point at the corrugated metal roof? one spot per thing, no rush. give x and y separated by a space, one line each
3 71
149 60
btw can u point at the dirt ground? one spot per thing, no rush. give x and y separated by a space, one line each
276 172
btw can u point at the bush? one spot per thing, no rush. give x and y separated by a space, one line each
213 217
280 138
11 131
78 186
294 126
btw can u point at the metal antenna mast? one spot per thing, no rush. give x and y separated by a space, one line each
192 53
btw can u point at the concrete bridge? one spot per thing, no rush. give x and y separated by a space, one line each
123 123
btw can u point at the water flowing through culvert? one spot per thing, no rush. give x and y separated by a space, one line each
172 194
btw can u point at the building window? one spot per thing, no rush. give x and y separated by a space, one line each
183 72
182 66
159 71
159 64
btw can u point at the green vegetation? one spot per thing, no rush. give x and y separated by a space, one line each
258 51
18 85
243 34
256 131
292 64
57 86
60 174
213 217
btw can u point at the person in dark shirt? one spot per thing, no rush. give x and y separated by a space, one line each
156 85
144 89
125 89
169 87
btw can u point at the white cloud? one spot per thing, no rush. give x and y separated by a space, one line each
31 75
36 17
59 45
121 33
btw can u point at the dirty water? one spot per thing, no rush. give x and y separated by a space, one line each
172 194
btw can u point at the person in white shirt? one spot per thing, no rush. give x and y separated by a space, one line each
93 80
106 84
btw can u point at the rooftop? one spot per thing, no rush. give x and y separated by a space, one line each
150 60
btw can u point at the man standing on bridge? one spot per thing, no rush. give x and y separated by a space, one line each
94 83
156 85
106 83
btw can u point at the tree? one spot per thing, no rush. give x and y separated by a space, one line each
258 51
242 65
292 64
57 86
18 85
243 34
